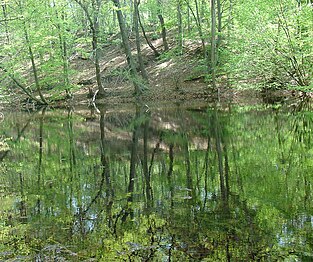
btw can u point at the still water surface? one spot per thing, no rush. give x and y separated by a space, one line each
162 184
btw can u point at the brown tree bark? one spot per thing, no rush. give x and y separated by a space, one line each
130 60
197 18
219 29
155 51
34 67
21 86
161 19
93 20
32 57
63 50
213 43
4 10
138 43
180 26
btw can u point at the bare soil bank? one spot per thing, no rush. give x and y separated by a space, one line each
176 79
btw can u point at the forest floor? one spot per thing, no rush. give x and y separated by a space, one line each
172 78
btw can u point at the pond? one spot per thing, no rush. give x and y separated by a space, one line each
211 183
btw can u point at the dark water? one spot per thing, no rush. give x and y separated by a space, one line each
172 184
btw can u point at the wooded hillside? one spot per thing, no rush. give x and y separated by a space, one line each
46 44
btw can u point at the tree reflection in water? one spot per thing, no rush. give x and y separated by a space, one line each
211 184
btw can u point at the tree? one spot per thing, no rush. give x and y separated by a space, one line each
180 26
63 45
268 36
213 43
155 51
162 23
5 18
267 41
31 55
129 57
93 15
138 42
33 50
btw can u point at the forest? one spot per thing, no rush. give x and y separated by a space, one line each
156 130
100 49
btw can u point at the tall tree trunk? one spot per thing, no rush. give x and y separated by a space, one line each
95 33
155 51
34 67
213 43
94 27
180 26
136 28
95 48
4 11
32 57
161 19
219 29
126 44
63 49
202 8
188 17
229 19
114 19
199 16
196 16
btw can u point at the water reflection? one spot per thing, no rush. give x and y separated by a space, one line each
212 184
